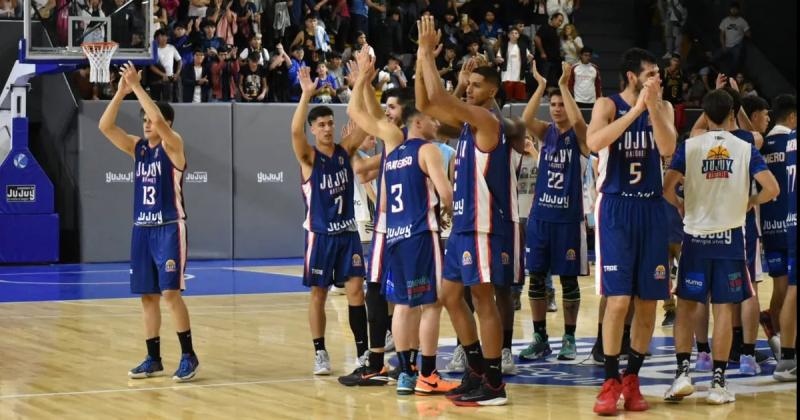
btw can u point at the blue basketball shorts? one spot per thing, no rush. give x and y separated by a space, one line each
632 247
777 262
158 258
675 223
332 259
726 281
556 248
474 258
414 267
511 257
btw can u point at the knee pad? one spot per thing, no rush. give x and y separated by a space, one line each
538 289
570 289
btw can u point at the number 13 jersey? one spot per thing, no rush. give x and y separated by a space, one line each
158 187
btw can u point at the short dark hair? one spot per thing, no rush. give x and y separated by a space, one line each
404 96
296 48
489 74
718 105
394 57
555 15
783 106
753 104
166 111
586 50
555 92
160 32
319 112
675 55
737 99
632 60
410 111
254 56
310 16
198 50
335 54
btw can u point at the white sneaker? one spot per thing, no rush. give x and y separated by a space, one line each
458 362
786 371
507 363
322 363
681 387
336 291
389 345
775 345
719 394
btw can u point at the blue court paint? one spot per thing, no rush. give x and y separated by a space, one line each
108 281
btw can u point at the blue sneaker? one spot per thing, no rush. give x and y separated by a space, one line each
748 366
406 384
187 368
148 369
703 362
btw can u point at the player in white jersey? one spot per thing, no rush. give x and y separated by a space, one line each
716 169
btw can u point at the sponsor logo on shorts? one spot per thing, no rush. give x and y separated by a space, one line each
571 255
506 260
418 287
357 260
20 193
197 177
270 177
661 273
694 281
170 266
317 272
735 282
119 177
610 268
466 258
21 161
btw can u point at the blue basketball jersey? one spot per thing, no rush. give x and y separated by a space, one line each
631 166
774 213
328 194
380 212
481 195
411 199
559 184
791 192
158 187
752 229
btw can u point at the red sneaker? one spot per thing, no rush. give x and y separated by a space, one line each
606 403
633 397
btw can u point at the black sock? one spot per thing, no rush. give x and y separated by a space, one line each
719 371
508 335
377 316
154 348
703 347
635 362
748 349
612 367
458 342
787 353
428 365
738 337
404 357
494 374
599 331
683 358
389 324
358 325
626 332
413 359
540 327
319 344
475 357
376 360
186 342
569 330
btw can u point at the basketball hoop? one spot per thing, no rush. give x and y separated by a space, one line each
99 55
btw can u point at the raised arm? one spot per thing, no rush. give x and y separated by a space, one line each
357 109
170 140
302 150
352 138
603 129
662 116
536 126
573 112
108 122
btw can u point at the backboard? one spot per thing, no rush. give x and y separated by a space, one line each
55 29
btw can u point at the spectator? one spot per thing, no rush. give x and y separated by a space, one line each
564 7
571 44
80 81
397 79
337 69
447 65
198 8
123 23
376 25
245 12
295 65
209 38
297 10
697 90
748 89
473 51
757 110
490 32
278 79
342 26
584 82
224 73
181 41
394 32
8 8
169 6
253 80
732 31
160 17
195 79
513 59
312 37
95 31
359 12
548 46
255 47
361 42
674 18
675 86
167 71
226 24
450 28
326 85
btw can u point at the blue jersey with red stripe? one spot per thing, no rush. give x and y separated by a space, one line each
631 166
157 188
559 184
328 194
774 213
411 199
481 196
791 192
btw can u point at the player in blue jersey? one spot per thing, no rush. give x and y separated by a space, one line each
481 192
556 235
631 131
158 245
715 169
773 214
786 371
414 185
333 252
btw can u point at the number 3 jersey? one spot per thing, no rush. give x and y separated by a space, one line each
328 194
631 166
158 187
559 184
411 199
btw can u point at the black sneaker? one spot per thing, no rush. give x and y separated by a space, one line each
517 301
469 382
485 395
598 356
669 319
366 376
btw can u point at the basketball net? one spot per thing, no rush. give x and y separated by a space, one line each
99 55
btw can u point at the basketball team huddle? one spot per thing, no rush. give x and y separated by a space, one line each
713 181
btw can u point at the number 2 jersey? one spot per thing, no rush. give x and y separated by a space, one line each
158 187
328 194
631 166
